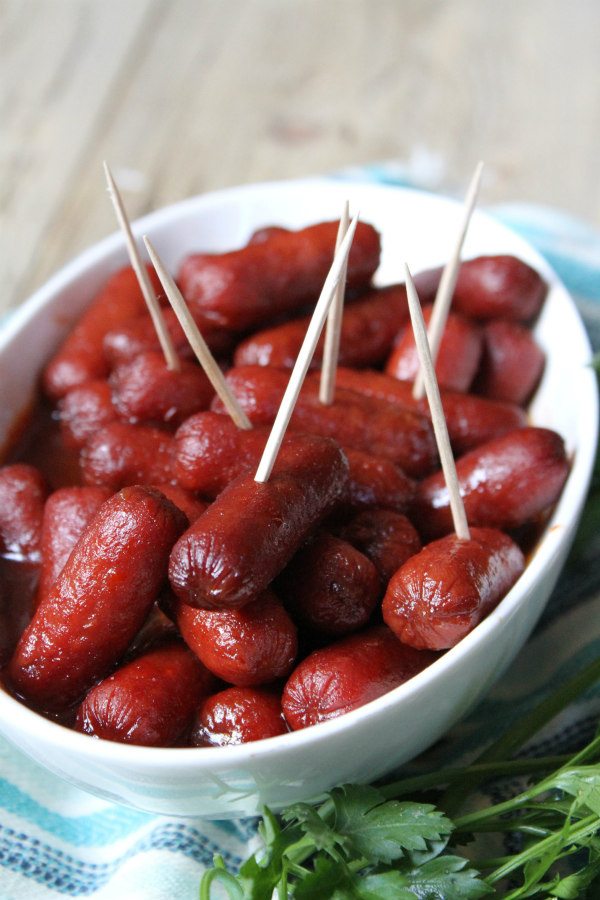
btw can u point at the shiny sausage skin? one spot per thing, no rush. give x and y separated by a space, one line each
442 593
210 451
370 425
245 647
244 288
22 495
67 513
93 611
471 420
146 391
375 481
138 335
491 287
387 538
238 715
122 454
369 328
348 674
504 483
249 534
80 357
512 363
330 586
84 411
149 701
458 357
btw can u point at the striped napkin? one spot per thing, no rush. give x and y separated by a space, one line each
58 840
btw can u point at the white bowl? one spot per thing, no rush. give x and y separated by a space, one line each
364 744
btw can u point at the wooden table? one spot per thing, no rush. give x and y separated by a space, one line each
182 96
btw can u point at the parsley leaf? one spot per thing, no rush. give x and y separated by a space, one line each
382 830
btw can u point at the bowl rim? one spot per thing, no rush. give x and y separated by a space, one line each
558 528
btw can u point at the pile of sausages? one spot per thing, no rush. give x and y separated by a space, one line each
177 601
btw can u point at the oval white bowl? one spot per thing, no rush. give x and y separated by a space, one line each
364 744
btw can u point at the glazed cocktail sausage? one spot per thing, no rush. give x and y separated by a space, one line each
145 391
330 586
67 513
442 593
504 483
210 451
458 357
512 362
369 328
348 674
471 420
373 426
490 287
22 495
249 534
386 537
238 715
122 454
149 701
244 288
84 411
94 610
253 645
81 357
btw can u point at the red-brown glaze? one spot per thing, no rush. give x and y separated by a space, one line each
386 537
238 715
67 513
442 593
249 646
348 674
22 495
369 328
375 481
247 287
84 411
92 613
458 357
122 454
211 451
329 586
249 534
184 500
504 483
80 357
146 391
370 425
149 701
471 420
490 287
138 335
512 363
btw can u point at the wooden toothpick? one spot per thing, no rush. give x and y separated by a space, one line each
197 342
445 291
141 272
334 323
284 414
438 419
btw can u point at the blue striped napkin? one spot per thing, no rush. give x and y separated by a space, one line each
58 840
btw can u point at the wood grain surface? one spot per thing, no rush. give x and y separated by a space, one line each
182 96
